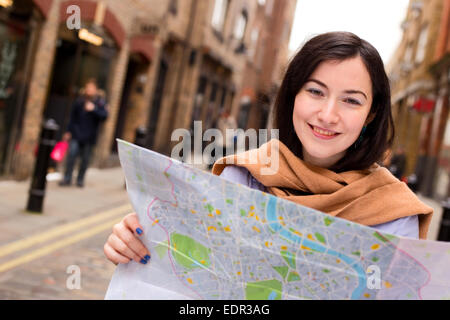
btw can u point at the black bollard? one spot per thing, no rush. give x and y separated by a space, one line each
141 134
39 181
444 230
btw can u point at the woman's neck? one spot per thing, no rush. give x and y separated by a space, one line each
321 162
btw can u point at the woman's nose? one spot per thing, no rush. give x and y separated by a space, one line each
329 113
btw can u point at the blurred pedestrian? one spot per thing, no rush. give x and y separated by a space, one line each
88 111
398 163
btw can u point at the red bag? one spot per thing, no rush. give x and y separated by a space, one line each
59 151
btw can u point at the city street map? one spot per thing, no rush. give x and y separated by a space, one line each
213 239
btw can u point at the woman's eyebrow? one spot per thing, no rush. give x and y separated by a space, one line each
346 91
356 91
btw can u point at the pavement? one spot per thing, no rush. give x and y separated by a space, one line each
38 250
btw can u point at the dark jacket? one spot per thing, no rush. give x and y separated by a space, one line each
84 125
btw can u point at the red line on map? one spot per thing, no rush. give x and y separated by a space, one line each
167 233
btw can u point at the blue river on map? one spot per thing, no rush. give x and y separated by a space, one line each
277 227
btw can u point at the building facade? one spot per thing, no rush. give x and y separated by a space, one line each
266 62
160 64
211 72
59 62
440 134
420 108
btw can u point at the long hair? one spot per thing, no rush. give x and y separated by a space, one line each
339 46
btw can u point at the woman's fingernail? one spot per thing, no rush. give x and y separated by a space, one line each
143 261
147 257
139 231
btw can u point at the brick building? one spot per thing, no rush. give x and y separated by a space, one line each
161 65
419 102
440 132
266 63
209 72
57 63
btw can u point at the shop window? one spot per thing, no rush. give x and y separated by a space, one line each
406 66
408 53
269 7
422 44
240 26
254 42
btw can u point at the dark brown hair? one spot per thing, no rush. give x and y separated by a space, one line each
338 46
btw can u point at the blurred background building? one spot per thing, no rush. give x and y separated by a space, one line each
419 73
161 64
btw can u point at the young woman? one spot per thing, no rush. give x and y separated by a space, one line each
333 113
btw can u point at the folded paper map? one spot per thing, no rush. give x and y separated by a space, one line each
213 239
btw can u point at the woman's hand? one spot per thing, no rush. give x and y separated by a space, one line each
123 244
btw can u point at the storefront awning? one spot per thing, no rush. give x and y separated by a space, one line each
143 44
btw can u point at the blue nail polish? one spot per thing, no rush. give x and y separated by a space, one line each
139 231
147 257
143 261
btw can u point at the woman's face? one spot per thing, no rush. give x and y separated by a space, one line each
331 108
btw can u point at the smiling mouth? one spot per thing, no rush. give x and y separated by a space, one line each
323 132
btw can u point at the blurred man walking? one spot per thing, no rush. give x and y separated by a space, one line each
88 111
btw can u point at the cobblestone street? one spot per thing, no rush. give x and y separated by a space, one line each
37 249
45 278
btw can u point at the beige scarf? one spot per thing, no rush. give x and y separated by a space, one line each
367 197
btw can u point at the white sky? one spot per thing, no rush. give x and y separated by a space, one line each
377 21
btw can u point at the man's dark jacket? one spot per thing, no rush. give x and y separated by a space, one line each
83 124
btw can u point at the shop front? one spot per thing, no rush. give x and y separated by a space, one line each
19 26
77 60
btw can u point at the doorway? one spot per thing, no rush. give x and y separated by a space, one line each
131 94
76 61
156 103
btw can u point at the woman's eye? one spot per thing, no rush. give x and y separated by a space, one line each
315 92
352 101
